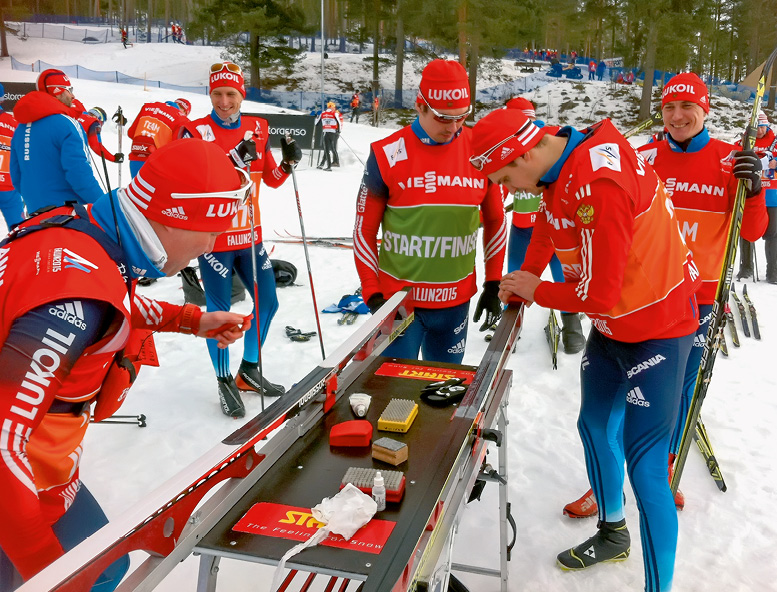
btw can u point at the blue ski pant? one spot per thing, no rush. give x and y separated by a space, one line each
691 371
630 401
216 270
439 334
81 520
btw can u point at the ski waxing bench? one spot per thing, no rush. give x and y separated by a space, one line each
269 487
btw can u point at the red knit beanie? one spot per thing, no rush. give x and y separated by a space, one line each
189 184
686 87
501 137
229 75
524 105
53 82
444 85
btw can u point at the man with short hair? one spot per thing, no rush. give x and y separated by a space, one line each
604 210
50 161
70 319
418 187
246 139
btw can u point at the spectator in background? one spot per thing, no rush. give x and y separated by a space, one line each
376 111
331 124
600 68
49 154
591 69
124 37
356 102
11 203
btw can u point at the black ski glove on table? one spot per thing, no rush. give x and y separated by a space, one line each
375 302
747 166
490 304
244 153
291 152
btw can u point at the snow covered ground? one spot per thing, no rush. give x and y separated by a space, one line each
726 540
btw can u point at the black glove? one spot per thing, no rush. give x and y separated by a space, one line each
490 304
747 166
119 118
118 158
375 302
244 153
291 152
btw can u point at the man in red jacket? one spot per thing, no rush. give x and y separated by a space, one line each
418 188
247 141
73 334
604 210
11 204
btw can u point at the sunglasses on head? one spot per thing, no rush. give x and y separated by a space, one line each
442 117
479 162
219 66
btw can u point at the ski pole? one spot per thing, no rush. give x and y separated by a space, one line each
256 285
118 117
139 420
307 258
351 149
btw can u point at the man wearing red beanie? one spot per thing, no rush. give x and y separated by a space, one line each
605 210
246 139
49 151
74 333
418 186
700 174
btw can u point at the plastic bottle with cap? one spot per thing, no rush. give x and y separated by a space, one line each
379 491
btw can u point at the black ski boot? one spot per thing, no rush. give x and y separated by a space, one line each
611 543
572 333
248 380
229 396
771 260
745 259
192 289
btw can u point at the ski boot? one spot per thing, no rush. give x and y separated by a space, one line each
248 380
584 507
611 543
192 288
572 333
231 403
745 259
679 497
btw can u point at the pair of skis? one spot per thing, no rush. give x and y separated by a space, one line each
743 313
706 366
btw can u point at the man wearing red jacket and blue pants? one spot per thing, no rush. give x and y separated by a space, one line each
418 186
72 327
605 210
232 252
700 175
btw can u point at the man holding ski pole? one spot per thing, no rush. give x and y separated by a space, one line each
605 210
227 128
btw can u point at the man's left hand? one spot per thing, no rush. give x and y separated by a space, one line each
747 166
291 153
223 326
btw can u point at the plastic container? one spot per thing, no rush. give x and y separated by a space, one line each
379 491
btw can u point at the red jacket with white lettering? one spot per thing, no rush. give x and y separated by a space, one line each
157 124
40 451
703 189
605 215
7 127
430 218
264 168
